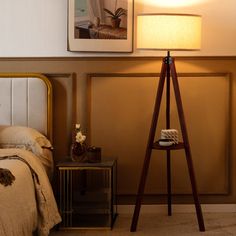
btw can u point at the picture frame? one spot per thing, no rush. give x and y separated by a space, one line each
100 25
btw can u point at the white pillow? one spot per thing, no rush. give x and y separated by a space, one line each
23 137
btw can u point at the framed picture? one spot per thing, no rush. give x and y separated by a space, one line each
100 25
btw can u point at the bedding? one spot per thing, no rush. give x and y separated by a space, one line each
29 139
27 205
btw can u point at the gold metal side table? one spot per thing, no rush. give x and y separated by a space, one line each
87 194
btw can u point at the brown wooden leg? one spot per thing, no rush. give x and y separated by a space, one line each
146 163
168 182
168 155
187 146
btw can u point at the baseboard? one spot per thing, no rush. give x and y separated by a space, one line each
178 208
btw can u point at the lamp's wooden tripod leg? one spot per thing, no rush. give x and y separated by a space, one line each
148 149
187 146
168 155
168 163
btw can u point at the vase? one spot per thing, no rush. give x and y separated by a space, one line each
78 152
115 23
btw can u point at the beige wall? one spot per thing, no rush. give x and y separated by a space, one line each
211 77
39 28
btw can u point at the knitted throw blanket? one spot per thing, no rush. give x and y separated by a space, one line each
6 177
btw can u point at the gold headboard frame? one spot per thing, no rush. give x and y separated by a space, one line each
49 95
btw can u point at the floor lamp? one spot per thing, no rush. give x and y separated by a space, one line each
168 32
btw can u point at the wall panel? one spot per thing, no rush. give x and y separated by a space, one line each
120 117
70 105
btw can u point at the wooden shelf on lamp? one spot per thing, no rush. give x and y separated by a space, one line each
157 146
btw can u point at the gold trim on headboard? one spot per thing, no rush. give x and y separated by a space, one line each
49 95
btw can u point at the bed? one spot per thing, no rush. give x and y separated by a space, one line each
27 203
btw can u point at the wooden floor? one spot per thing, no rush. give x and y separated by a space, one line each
217 224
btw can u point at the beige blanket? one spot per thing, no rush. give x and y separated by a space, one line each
26 206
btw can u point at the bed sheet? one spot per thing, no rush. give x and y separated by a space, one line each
26 206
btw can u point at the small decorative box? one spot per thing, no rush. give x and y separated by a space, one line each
171 134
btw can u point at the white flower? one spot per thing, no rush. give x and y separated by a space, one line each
80 138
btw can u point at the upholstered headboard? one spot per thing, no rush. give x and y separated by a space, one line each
26 100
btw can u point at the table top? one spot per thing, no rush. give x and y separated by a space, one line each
69 163
107 32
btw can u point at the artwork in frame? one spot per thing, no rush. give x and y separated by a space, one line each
100 25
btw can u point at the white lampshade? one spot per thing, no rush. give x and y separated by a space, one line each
169 32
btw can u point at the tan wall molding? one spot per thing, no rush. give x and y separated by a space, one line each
98 94
61 67
114 58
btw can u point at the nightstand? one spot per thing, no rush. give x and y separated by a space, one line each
87 194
